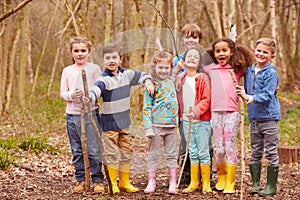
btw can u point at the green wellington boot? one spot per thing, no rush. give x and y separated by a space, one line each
272 176
255 170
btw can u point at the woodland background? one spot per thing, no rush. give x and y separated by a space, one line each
34 37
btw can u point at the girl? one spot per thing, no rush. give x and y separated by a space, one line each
71 91
225 115
160 120
194 109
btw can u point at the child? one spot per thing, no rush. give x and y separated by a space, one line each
160 119
194 109
71 91
114 88
261 82
225 115
191 38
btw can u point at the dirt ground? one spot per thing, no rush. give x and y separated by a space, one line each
48 176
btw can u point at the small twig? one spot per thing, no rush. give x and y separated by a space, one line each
23 167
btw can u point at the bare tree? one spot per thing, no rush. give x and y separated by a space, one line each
24 56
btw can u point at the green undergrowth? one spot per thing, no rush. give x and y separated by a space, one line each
28 142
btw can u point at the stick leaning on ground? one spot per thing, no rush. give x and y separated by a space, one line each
86 94
242 133
84 149
186 153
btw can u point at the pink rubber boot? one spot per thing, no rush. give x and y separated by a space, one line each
151 182
172 180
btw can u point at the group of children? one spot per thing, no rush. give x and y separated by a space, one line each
190 90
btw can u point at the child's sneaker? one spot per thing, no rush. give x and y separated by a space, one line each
80 186
98 188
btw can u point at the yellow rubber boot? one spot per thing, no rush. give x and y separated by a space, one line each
230 179
205 174
112 170
124 183
194 185
221 176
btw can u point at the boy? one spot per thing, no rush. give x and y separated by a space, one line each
114 87
261 83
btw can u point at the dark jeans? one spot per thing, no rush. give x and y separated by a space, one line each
94 156
264 137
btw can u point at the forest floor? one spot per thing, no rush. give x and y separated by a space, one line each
46 175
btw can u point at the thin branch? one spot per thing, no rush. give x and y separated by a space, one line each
14 10
164 20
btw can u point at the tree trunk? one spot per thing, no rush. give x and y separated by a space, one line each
10 69
217 18
24 57
108 21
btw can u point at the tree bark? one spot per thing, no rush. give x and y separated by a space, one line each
23 56
217 18
108 21
10 69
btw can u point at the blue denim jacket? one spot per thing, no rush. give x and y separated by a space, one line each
262 87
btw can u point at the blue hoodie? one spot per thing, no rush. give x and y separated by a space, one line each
262 88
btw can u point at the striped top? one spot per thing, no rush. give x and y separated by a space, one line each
115 92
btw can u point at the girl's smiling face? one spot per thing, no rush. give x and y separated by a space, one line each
80 53
192 58
163 69
222 53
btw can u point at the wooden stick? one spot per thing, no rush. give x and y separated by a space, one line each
242 133
186 153
86 92
85 150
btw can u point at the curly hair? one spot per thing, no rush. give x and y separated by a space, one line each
242 56
162 56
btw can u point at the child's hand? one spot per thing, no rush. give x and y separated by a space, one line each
190 115
178 83
179 66
86 100
77 94
240 90
149 87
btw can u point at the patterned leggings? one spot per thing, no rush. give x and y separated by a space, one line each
225 127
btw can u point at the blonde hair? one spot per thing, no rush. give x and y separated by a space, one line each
80 40
268 42
160 57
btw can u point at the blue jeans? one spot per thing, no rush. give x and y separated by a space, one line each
74 133
200 134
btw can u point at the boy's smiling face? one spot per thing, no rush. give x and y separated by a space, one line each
112 61
263 54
